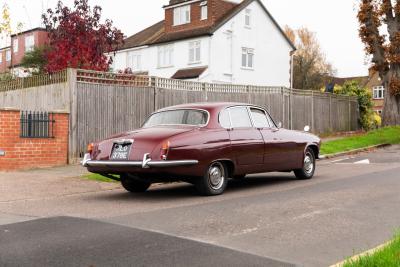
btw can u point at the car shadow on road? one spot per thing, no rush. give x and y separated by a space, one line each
185 190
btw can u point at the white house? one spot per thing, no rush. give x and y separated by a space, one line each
217 41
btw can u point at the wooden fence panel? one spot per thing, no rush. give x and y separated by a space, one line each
102 104
43 98
104 110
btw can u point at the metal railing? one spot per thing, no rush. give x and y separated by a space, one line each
36 124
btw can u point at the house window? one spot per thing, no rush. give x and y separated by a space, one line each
1 57
247 18
15 45
247 58
181 15
134 61
29 43
8 55
165 56
204 10
194 52
379 92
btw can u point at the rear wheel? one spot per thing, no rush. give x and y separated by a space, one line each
214 180
133 184
307 172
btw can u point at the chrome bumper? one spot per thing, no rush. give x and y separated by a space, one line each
145 163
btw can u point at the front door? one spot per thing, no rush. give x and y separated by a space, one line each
246 141
278 150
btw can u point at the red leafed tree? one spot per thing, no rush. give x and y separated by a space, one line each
78 39
380 32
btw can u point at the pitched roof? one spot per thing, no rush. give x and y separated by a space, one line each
156 34
189 73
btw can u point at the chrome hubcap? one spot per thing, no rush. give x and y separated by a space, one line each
216 176
308 164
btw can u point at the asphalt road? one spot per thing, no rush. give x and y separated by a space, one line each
351 205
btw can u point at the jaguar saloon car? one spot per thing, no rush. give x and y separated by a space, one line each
204 144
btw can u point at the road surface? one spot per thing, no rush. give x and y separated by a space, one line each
351 205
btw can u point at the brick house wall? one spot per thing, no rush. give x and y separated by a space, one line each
40 37
374 80
216 9
29 153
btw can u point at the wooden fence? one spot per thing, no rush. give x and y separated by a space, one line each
102 104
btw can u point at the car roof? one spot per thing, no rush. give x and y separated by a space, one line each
206 105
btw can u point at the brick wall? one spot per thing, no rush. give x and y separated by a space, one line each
28 153
216 10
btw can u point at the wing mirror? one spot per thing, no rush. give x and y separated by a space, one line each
279 125
306 128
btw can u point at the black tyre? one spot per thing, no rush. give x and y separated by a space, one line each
307 172
133 184
214 180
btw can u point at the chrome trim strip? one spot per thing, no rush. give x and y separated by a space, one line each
146 163
124 141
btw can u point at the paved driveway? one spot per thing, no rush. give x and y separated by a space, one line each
351 205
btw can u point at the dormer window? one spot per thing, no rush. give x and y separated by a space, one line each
181 15
204 10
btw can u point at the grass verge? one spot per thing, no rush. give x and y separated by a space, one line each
99 178
387 135
388 256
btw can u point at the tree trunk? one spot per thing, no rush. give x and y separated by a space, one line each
391 106
391 109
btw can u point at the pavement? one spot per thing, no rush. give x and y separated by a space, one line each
267 219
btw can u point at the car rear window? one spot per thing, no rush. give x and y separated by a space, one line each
177 117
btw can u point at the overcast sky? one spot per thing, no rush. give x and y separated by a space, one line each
334 22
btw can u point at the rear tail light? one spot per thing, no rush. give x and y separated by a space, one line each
164 150
90 148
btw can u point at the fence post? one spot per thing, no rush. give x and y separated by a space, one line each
330 112
348 99
312 111
73 118
204 87
291 108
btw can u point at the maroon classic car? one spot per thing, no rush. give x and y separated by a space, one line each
203 144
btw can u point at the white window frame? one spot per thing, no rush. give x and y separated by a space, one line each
1 57
15 45
29 42
378 92
8 55
165 56
247 58
134 61
181 15
195 52
247 18
203 10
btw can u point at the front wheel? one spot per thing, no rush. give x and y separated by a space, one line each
133 184
214 180
307 172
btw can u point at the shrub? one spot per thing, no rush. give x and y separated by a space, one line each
365 104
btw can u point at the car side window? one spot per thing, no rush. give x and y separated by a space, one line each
259 118
224 119
271 122
240 117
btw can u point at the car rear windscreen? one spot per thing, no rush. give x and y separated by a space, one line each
177 117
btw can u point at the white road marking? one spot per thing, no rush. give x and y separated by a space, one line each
365 161
338 160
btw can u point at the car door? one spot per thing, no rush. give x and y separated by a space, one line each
246 141
278 151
